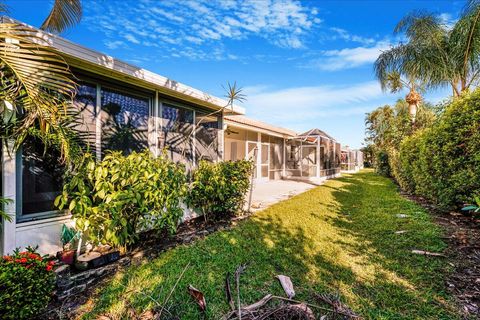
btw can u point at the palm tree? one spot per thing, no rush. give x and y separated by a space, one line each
434 54
37 85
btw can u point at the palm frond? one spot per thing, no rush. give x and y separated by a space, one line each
3 8
465 44
64 14
36 80
234 93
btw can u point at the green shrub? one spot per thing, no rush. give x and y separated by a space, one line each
382 163
219 189
112 200
442 163
407 159
26 284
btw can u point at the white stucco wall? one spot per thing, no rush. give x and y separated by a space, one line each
45 233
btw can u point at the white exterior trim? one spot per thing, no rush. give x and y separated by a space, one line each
9 186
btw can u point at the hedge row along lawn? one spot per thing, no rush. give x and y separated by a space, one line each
337 238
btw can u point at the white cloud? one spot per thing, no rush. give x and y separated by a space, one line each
447 20
295 105
333 60
283 23
114 44
131 38
339 33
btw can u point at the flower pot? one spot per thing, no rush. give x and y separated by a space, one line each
67 256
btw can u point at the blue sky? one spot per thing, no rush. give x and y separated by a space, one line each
302 64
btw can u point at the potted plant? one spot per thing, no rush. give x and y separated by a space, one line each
68 236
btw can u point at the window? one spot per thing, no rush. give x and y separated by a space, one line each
124 122
206 137
176 136
85 111
41 170
124 127
41 178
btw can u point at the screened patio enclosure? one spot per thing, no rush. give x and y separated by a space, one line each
312 155
352 160
280 153
262 143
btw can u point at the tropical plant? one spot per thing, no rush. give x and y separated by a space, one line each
4 216
26 284
68 235
36 81
37 84
64 14
435 55
475 208
114 199
388 126
219 189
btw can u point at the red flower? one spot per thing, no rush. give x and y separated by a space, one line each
49 267
35 256
23 260
51 263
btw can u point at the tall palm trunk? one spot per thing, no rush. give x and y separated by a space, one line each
413 99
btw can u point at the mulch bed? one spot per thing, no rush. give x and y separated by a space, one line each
462 234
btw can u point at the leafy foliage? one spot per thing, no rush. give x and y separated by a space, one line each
388 126
113 199
475 208
68 235
3 215
37 84
219 189
441 163
26 284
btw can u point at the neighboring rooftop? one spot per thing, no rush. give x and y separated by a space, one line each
97 62
316 133
248 122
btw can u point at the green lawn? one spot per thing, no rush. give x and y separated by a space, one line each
338 237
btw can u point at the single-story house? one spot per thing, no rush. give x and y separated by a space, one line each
129 108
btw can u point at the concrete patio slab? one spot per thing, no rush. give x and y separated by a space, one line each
268 193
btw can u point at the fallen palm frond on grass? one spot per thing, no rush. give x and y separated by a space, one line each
286 309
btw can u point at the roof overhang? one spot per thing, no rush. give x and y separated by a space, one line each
256 129
93 61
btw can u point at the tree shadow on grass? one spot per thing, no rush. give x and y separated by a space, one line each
327 240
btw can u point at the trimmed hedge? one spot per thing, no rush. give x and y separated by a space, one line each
442 163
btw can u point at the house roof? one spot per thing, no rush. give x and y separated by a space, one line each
316 133
258 125
105 65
